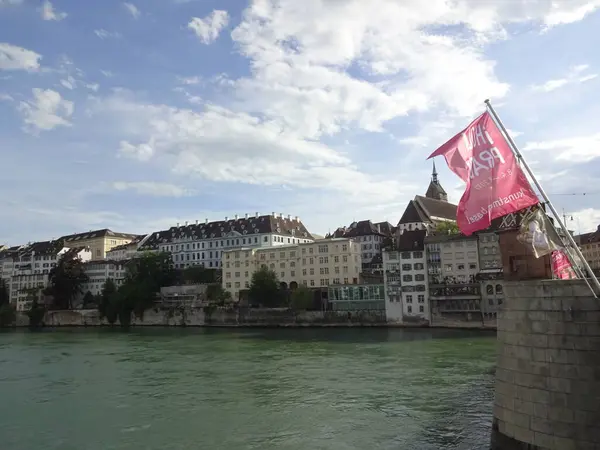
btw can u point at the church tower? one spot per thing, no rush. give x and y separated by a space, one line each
435 189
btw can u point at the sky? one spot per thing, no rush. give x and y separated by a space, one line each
138 115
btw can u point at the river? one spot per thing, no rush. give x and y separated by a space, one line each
293 389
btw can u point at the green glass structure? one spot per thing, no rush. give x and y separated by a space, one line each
357 297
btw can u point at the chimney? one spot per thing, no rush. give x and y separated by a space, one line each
281 215
236 217
196 221
246 215
256 213
289 217
177 224
225 218
186 223
379 227
206 221
274 215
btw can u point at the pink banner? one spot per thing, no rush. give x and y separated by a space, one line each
496 185
561 266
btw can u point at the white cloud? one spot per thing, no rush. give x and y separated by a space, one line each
107 73
208 28
189 80
48 12
576 149
69 82
575 75
104 34
18 58
132 9
152 188
47 110
93 86
569 11
10 2
586 220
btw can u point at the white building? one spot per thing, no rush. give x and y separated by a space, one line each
371 237
393 290
126 251
413 274
99 272
204 243
31 267
313 264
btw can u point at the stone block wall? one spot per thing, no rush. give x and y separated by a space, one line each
548 369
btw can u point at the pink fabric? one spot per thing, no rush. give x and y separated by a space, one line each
496 185
561 266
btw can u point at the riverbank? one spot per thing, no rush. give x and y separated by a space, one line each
244 318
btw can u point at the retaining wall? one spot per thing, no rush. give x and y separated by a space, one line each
548 370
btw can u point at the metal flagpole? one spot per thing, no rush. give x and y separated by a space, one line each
519 156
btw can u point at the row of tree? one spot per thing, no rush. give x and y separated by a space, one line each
266 290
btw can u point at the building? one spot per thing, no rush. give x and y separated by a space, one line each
313 264
453 265
99 241
490 274
7 261
99 272
368 297
189 296
413 274
589 243
128 250
204 243
371 237
31 267
394 310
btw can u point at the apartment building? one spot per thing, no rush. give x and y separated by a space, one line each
589 243
204 243
99 241
126 251
370 235
394 310
413 274
99 272
32 265
453 264
313 264
490 274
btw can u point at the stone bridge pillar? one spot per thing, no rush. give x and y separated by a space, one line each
548 369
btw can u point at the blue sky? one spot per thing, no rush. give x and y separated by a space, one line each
137 115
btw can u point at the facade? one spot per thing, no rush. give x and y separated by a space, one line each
371 237
31 267
366 297
453 265
394 310
126 251
313 264
413 274
100 271
490 274
589 243
99 241
189 295
204 243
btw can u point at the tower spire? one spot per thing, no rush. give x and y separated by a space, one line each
434 175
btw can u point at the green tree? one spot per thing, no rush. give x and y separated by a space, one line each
65 280
264 288
215 294
302 298
447 228
8 315
88 300
36 311
4 296
107 299
199 275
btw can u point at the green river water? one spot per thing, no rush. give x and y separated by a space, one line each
309 389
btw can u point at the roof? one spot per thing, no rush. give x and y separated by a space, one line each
362 228
413 214
435 191
237 227
105 232
412 240
436 209
43 248
134 241
432 238
385 227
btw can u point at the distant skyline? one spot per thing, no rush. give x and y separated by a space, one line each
137 115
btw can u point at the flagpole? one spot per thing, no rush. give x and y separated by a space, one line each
519 156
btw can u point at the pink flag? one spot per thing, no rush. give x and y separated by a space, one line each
496 185
561 266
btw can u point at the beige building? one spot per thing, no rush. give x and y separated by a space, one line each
590 247
315 264
99 241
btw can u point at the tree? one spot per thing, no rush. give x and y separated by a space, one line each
4 295
36 311
302 299
8 315
447 228
107 299
88 300
199 275
264 288
65 280
215 294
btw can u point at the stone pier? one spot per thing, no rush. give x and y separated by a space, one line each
548 370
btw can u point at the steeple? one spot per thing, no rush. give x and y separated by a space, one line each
435 189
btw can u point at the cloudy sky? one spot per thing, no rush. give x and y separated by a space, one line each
137 115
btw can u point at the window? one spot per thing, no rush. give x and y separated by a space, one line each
421 309
489 289
228 285
344 247
421 298
312 271
246 284
409 299
293 264
473 266
311 250
498 289
293 273
336 259
407 278
460 267
324 282
312 282
345 280
448 267
417 255
345 258
321 260
406 267
323 248
419 266
237 284
405 255
336 269
263 256
282 274
419 277
292 254
409 309
311 261
282 254
303 271
237 274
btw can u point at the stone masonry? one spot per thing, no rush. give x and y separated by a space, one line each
548 370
